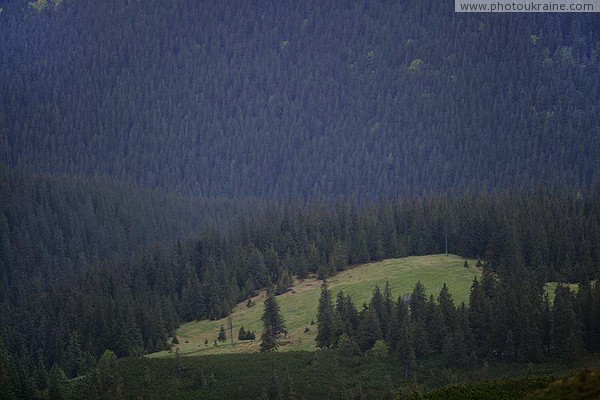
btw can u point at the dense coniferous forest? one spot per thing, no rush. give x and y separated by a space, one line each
525 240
161 162
54 227
363 97
509 319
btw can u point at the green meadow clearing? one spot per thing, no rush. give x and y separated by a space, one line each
299 305
551 288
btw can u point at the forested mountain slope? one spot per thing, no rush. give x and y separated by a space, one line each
300 99
330 134
54 227
131 306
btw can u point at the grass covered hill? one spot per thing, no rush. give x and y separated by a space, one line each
299 305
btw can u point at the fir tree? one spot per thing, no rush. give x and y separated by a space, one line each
347 346
40 375
566 329
369 330
401 338
458 349
108 383
58 384
246 334
325 319
418 314
222 335
479 316
273 324
388 309
436 327
447 307
74 359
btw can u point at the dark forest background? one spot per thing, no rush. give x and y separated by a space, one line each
304 99
161 161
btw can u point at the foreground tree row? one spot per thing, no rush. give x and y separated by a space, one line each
509 319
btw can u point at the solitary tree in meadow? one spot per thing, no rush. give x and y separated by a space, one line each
222 335
272 322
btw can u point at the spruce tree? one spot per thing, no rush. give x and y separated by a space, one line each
418 312
325 319
458 350
447 307
222 335
108 383
58 384
566 329
369 330
418 302
74 359
401 338
437 330
479 316
40 375
6 375
347 346
273 324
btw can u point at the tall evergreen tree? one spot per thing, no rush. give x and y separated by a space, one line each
58 384
401 338
273 324
447 307
458 351
74 359
479 316
107 381
437 330
418 315
369 329
566 329
7 386
222 335
325 319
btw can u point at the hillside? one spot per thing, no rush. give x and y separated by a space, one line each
171 170
299 305
54 227
295 99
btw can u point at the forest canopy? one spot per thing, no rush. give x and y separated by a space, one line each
304 99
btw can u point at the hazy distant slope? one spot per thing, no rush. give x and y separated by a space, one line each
309 98
52 226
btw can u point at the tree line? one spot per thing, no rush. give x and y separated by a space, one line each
509 319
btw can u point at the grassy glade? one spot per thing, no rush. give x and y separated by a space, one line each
299 305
